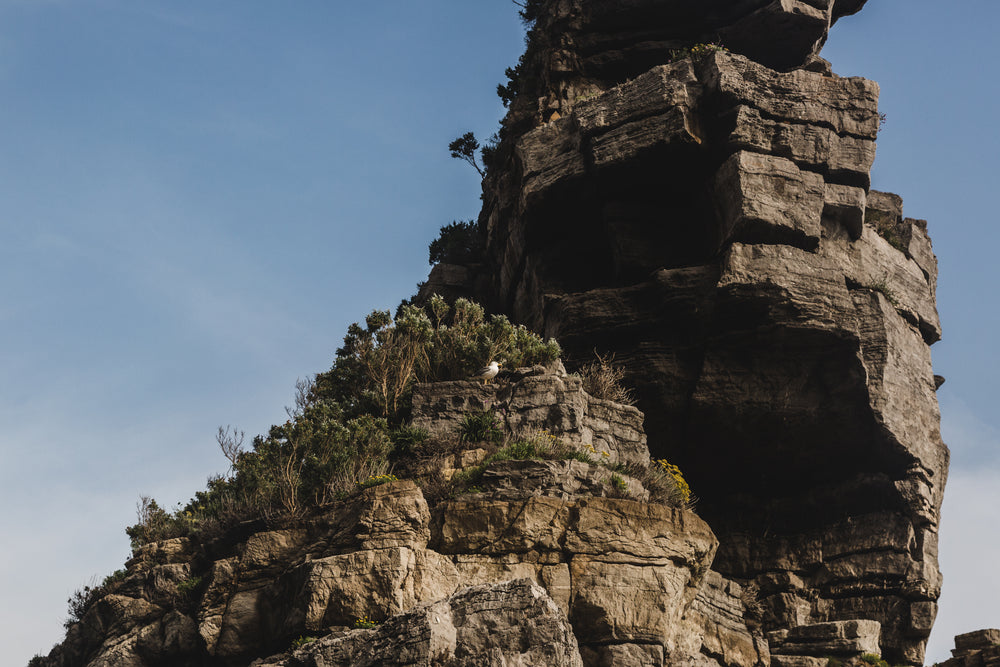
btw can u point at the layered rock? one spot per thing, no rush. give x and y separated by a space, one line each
545 563
975 649
512 623
579 46
534 399
710 221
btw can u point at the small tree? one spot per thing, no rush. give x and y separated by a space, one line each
458 243
464 148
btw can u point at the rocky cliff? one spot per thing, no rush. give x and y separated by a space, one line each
710 221
559 561
705 214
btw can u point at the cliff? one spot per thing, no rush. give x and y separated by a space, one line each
706 215
710 221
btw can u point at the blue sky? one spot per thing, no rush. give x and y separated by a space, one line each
198 198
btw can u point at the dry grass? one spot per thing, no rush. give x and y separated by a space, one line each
602 379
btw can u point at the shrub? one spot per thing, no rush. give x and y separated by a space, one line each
465 339
365 622
407 440
347 422
602 379
80 602
678 478
886 226
697 51
882 285
464 148
155 524
188 588
377 480
519 450
302 641
458 242
874 659
481 427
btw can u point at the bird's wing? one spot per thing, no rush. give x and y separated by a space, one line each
484 370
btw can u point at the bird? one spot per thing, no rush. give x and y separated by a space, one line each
487 373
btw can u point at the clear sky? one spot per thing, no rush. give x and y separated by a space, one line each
198 198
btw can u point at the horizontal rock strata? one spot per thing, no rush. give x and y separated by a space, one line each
710 222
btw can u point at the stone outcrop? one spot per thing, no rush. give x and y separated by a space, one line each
535 399
546 562
707 216
975 649
512 623
711 222
580 47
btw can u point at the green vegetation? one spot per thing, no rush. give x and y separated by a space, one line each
874 659
697 51
886 226
674 473
377 480
366 623
458 243
188 589
882 285
348 424
483 426
619 484
302 641
406 440
84 598
464 148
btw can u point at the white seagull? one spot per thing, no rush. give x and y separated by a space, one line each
487 373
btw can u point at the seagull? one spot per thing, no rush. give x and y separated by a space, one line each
487 373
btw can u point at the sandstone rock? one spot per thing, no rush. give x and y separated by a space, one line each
717 618
536 400
513 623
767 199
374 583
512 480
842 638
842 159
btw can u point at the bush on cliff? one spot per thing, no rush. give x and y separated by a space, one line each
458 243
346 422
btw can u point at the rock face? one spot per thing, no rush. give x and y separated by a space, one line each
538 566
710 221
512 623
980 649
536 399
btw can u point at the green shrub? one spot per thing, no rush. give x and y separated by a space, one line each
302 641
481 426
188 588
459 242
80 602
886 226
407 440
874 659
697 51
518 450
882 285
155 524
349 420
377 480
